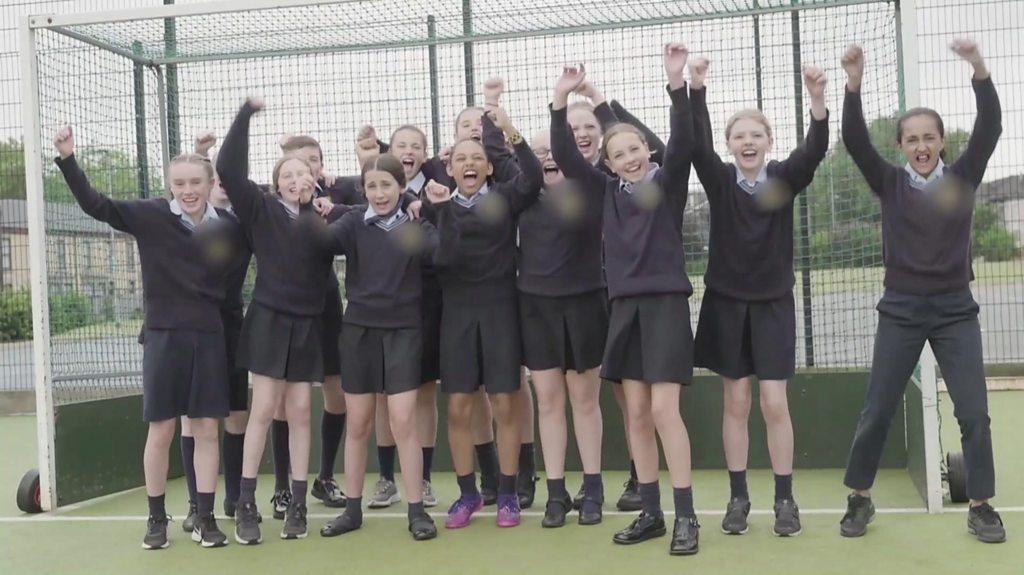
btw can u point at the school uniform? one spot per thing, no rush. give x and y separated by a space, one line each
480 342
649 336
232 314
381 337
926 239
563 306
185 370
747 322
282 332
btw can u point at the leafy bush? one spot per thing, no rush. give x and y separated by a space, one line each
15 316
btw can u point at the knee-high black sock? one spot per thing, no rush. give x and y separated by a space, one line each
188 464
282 455
232 448
386 461
650 497
738 484
332 427
487 456
428 462
783 487
682 497
527 465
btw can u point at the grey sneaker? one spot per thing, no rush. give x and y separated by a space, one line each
294 522
247 525
787 518
984 523
207 534
384 495
735 520
429 500
859 512
280 501
156 533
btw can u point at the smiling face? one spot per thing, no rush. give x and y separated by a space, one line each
410 147
749 139
191 185
294 180
469 124
469 167
627 155
921 141
587 132
541 146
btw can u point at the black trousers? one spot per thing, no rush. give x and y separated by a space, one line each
950 323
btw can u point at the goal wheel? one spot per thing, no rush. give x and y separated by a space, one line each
28 492
956 477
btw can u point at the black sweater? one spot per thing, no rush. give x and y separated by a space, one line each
476 256
383 275
183 272
290 278
926 249
750 247
643 247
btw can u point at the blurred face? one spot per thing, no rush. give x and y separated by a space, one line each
541 146
749 144
411 150
191 186
469 124
469 167
312 155
295 182
382 191
921 143
587 131
628 156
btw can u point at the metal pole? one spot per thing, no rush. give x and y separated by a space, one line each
161 92
804 212
435 98
467 50
139 88
173 117
757 59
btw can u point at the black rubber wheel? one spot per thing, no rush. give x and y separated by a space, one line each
28 492
956 477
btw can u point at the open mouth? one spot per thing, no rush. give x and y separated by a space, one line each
189 201
633 169
408 163
923 158
550 168
749 154
470 177
475 136
584 146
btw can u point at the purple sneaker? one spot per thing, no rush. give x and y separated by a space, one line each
462 511
508 510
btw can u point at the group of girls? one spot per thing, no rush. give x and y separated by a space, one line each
563 255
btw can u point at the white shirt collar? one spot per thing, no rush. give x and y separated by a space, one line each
209 214
919 181
416 184
761 178
468 202
292 210
371 215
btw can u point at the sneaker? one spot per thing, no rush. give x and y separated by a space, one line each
577 500
644 527
385 494
294 522
859 512
984 523
429 500
229 508
281 499
787 518
247 525
508 510
630 498
206 533
190 520
685 536
461 512
156 533
327 490
526 488
735 520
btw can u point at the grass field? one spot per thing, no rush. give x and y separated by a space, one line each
103 536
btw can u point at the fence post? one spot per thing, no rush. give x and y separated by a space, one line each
802 207
467 50
173 122
435 99
142 154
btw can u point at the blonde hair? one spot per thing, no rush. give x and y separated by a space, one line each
581 105
280 162
620 128
194 159
749 114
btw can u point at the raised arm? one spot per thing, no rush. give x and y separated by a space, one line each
988 124
798 169
679 151
563 146
233 165
709 165
855 129
493 135
116 213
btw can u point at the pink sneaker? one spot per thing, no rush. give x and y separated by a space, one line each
460 513
508 510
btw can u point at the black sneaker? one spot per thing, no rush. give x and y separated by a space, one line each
190 520
630 498
327 490
206 533
685 536
984 523
555 512
735 520
294 522
247 525
787 518
641 529
577 501
859 512
156 533
526 488
489 489
229 508
281 499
